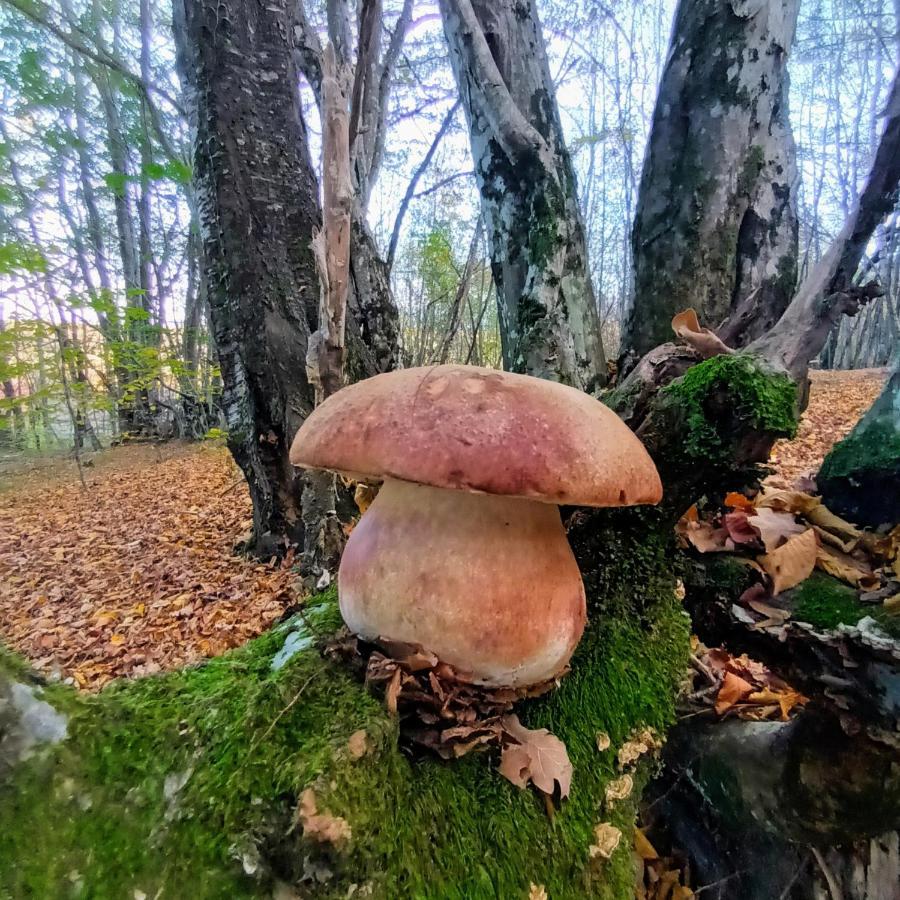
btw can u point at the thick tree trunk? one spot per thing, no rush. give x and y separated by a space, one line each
258 205
716 224
548 314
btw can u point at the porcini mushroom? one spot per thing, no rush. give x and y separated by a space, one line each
463 550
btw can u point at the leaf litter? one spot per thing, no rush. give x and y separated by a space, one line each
137 574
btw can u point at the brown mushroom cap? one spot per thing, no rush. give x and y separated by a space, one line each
475 429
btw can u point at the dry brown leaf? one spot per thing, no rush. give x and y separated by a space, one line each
741 532
606 839
791 563
772 613
845 567
321 827
687 326
538 756
643 847
733 690
774 527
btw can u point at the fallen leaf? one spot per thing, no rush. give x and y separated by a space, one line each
687 326
537 756
845 567
791 563
644 849
733 690
773 527
739 528
606 839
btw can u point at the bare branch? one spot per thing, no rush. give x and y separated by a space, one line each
828 291
411 187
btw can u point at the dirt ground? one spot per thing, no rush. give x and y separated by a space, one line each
138 573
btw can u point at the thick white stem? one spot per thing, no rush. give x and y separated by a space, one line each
488 583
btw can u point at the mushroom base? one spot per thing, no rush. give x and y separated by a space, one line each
487 583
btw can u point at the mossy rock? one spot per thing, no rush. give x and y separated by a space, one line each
186 784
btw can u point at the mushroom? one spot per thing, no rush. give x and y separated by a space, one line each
463 550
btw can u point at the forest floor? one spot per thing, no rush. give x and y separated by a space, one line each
137 573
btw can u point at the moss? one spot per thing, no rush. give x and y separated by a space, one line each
735 389
826 603
754 162
245 740
874 448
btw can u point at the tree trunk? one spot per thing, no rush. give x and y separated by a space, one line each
548 314
716 224
258 206
860 477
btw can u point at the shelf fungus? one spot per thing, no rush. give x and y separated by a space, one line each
463 550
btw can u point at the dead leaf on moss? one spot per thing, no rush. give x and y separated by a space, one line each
606 840
321 827
791 563
846 567
536 756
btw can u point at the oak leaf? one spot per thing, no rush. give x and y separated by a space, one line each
537 756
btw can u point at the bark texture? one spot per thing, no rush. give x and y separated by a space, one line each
716 224
829 292
548 316
258 206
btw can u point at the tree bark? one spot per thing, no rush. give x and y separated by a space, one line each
716 223
548 313
828 292
258 208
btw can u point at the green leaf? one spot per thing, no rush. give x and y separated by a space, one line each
16 256
116 182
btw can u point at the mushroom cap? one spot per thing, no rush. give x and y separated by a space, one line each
474 429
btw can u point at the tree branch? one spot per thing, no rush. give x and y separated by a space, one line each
515 134
38 13
411 187
828 291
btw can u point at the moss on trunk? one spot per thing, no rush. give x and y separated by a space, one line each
189 781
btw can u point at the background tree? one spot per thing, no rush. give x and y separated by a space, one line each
548 312
715 226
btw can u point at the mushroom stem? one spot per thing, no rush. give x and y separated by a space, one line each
488 583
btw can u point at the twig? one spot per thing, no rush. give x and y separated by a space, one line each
833 887
724 880
231 487
287 708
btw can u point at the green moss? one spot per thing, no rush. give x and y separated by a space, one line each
246 740
873 448
724 391
826 603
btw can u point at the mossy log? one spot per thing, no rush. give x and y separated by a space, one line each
188 783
